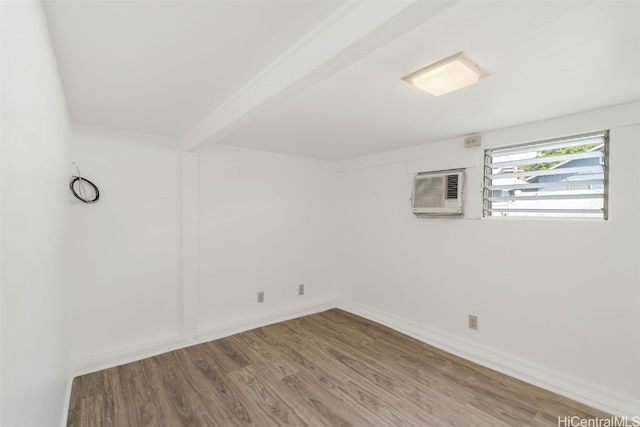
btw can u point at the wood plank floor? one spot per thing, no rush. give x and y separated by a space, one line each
327 369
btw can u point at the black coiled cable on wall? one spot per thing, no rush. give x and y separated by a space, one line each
81 194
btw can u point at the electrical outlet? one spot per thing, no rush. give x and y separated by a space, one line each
301 289
472 141
473 322
261 296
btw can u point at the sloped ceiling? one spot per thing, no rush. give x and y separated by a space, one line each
323 79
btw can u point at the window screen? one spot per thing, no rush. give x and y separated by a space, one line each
564 177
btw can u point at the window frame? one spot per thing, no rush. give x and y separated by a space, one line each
489 175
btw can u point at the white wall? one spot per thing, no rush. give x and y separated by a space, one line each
124 249
35 220
179 244
266 223
557 300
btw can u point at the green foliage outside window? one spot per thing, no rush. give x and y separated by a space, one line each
557 152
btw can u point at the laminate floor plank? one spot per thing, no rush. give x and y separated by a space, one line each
358 400
228 354
327 369
388 407
370 365
496 389
255 384
174 395
328 409
269 353
210 385
128 381
304 360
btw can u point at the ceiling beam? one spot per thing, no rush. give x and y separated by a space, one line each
352 32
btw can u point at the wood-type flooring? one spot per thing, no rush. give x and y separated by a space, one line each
327 369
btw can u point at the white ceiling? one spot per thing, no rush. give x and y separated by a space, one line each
322 79
161 66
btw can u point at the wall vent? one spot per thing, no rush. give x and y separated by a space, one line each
438 193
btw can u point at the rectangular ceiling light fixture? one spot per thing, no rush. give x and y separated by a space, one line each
447 75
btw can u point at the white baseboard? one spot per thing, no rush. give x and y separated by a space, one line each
557 382
104 361
230 328
87 365
527 371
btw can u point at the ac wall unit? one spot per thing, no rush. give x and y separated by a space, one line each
438 193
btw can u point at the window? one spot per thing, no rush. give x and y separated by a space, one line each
564 177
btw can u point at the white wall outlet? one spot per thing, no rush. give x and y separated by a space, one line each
473 322
300 289
261 296
472 141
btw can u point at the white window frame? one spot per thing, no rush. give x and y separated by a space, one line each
512 191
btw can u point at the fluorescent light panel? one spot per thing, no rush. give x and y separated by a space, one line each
447 75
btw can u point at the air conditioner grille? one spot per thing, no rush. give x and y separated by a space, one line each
452 186
428 192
